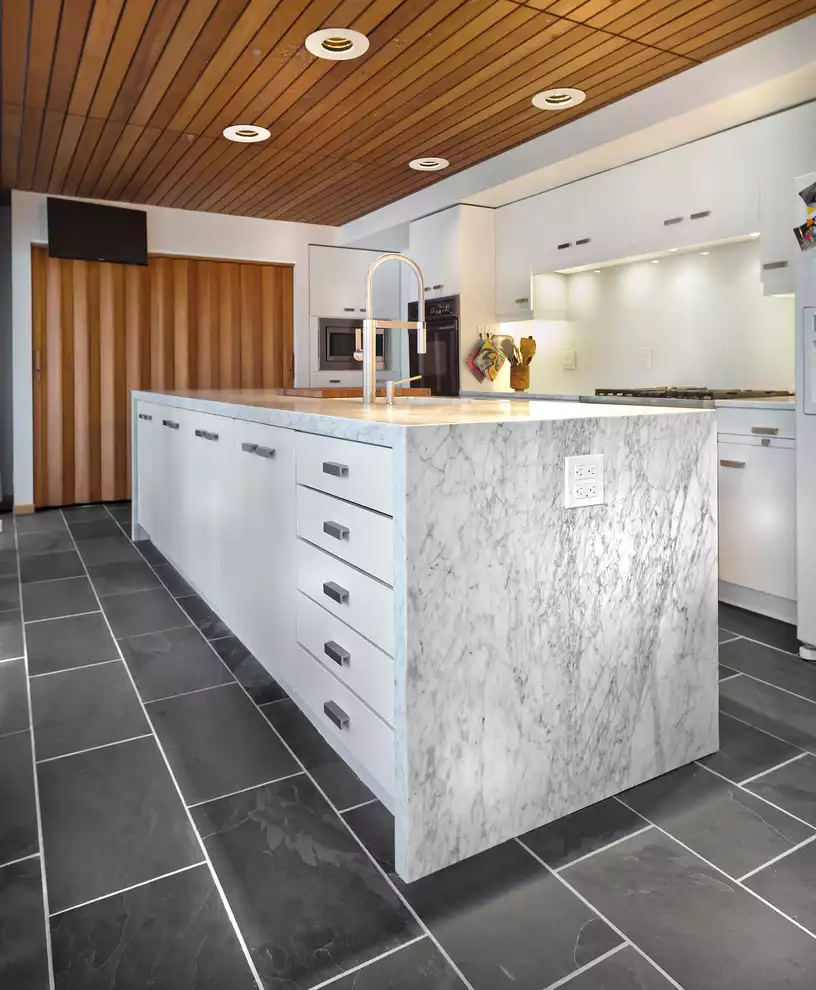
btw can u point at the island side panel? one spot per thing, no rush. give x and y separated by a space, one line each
553 657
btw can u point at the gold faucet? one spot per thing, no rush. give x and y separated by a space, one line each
390 388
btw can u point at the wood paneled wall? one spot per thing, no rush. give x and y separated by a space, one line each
101 330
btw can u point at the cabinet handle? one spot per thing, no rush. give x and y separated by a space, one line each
206 435
335 592
250 448
440 286
265 452
772 266
582 241
565 245
723 463
335 469
336 529
336 714
336 652
348 309
765 431
362 309
427 288
524 299
170 423
701 215
672 220
146 416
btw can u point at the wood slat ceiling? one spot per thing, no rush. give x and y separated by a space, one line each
126 99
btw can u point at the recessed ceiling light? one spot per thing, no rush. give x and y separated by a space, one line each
705 252
246 133
672 250
755 234
655 261
597 271
337 44
558 99
428 164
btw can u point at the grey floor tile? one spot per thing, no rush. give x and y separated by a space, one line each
121 577
50 566
78 709
172 662
23 952
8 537
569 838
111 818
792 787
353 914
759 627
726 634
82 531
11 634
150 552
9 592
338 781
624 970
790 885
726 671
143 612
745 751
780 669
84 513
781 714
218 742
120 510
53 599
204 617
373 824
171 934
722 823
18 813
13 697
38 522
705 932
259 683
107 550
173 581
8 563
75 641
419 966
49 541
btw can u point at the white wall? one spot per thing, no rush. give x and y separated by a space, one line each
181 232
704 319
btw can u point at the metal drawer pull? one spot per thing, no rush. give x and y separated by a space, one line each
700 215
336 529
336 714
206 435
336 652
250 448
731 464
440 286
265 451
335 469
524 299
772 266
582 241
335 592
146 416
566 244
170 423
672 220
348 309
765 431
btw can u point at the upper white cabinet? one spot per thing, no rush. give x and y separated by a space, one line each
435 247
337 281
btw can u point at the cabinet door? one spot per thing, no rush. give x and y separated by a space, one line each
336 281
757 516
148 477
166 530
514 263
434 246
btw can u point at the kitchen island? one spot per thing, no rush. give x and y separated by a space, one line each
486 659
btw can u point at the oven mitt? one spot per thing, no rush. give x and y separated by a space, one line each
478 374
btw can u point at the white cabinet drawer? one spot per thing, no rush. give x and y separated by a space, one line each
360 536
757 421
360 732
352 659
357 599
359 472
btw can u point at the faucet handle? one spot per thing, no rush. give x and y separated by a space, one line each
390 388
358 344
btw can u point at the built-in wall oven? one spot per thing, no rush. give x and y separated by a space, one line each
337 344
439 365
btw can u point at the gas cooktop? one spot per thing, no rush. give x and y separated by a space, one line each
691 392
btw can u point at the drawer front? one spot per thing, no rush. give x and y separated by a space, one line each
360 536
357 599
343 717
353 660
358 472
757 422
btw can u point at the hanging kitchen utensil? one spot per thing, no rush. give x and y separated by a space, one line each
528 349
478 374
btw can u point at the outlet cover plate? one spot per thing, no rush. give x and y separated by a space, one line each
568 362
583 480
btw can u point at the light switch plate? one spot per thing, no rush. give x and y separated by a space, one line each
645 357
583 480
568 361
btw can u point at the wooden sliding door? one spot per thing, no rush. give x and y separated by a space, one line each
100 330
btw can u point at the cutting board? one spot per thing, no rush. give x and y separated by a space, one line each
347 393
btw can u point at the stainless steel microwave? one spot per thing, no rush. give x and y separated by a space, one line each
337 344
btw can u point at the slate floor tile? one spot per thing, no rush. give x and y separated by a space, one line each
120 510
9 592
331 908
122 576
171 934
8 563
745 751
623 970
23 953
780 669
11 634
38 522
150 552
84 513
90 706
49 541
50 566
8 538
726 671
18 813
259 683
204 617
13 698
172 662
419 966
75 641
52 599
726 634
761 627
705 932
338 781
790 885
218 742
583 832
784 715
173 581
142 612
94 530
111 818
108 549
722 823
792 787
507 922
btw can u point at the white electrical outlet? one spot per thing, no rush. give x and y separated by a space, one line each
568 360
583 480
645 357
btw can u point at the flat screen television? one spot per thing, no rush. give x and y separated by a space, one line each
89 232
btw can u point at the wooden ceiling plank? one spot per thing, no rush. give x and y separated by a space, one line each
104 19
209 168
700 17
725 23
271 169
160 143
623 18
120 154
91 133
49 140
70 39
69 138
29 143
11 131
16 24
321 175
301 164
173 168
577 10
41 51
294 203
772 22
119 181
129 31
108 140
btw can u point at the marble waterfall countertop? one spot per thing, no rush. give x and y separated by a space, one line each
772 402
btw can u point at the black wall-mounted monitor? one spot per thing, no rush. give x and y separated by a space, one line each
90 232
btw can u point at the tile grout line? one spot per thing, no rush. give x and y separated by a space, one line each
124 890
778 766
53 618
217 883
565 980
733 639
84 666
91 749
770 646
348 828
750 725
759 680
11 659
609 845
354 807
783 855
598 914
243 790
184 694
369 962
37 806
730 677
759 797
21 859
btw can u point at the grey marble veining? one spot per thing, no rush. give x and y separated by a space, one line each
548 657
